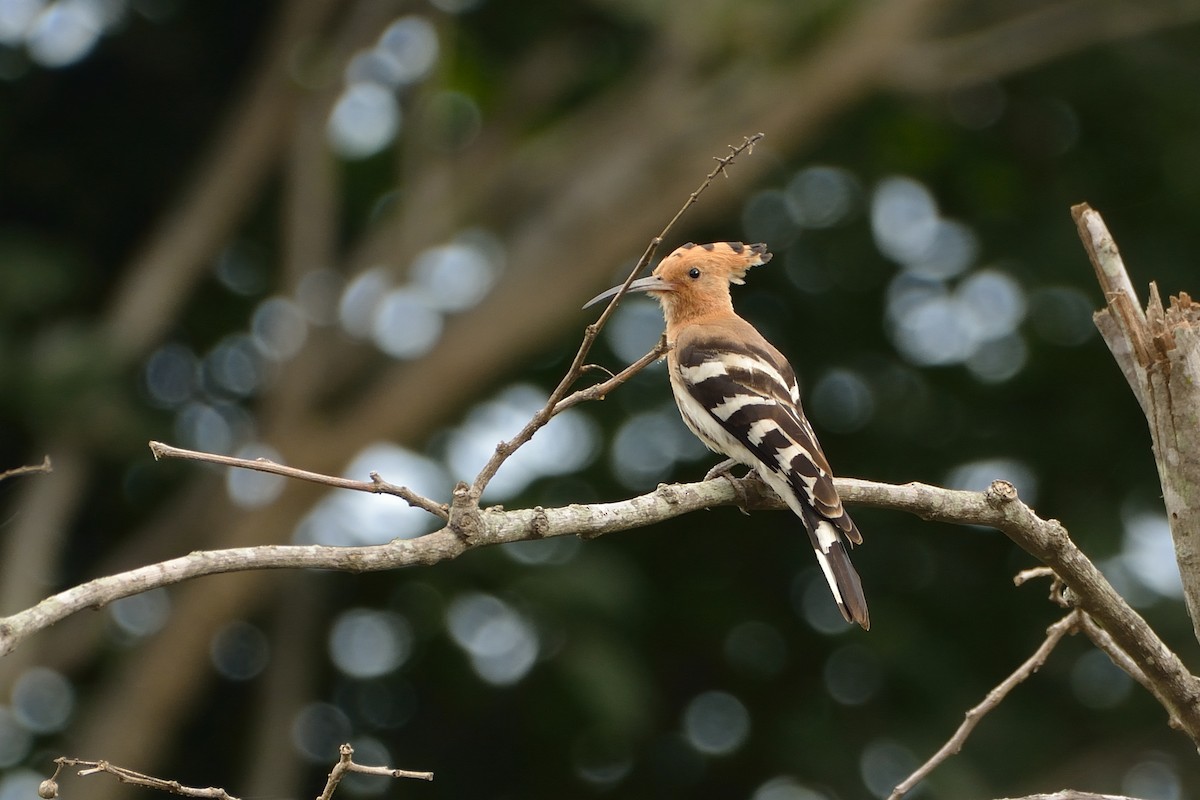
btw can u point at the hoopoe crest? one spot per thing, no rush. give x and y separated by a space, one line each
739 395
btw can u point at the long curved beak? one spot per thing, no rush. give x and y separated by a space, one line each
650 283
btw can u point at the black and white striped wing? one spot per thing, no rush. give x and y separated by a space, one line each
743 401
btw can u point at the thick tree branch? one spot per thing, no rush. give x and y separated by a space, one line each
1175 688
1158 351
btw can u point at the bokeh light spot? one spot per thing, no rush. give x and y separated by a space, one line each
142 614
716 723
1099 683
42 700
235 366
348 519
170 375
814 604
977 476
786 787
20 784
756 648
405 325
852 675
501 643
279 328
600 760
365 119
884 764
64 32
367 643
16 17
1148 552
649 444
766 217
998 360
15 739
822 196
994 301
318 729
249 488
454 277
842 401
566 444
634 328
411 42
239 651
360 299
1153 778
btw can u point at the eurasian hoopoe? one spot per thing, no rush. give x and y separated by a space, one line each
739 395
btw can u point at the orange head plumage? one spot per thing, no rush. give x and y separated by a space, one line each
693 281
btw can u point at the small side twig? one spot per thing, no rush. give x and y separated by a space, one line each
346 764
33 469
376 485
600 390
553 404
1058 589
1054 634
1104 642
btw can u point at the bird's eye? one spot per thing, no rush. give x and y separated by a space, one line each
693 273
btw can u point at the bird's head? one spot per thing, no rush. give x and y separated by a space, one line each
694 280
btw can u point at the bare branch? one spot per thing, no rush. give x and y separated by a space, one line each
346 764
1054 634
33 469
1158 351
130 777
998 507
601 390
376 485
1071 794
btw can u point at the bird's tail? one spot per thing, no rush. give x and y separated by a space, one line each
839 571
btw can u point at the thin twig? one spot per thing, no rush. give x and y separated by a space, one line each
505 449
601 390
1057 587
1105 643
1072 794
1054 634
346 764
33 469
132 778
376 485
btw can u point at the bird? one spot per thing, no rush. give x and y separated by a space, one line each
739 395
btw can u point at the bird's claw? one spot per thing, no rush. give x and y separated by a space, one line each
725 470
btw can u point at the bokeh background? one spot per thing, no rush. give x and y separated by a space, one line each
355 236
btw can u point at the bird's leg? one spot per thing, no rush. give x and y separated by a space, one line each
725 470
722 470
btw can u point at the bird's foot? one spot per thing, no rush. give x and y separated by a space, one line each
725 470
